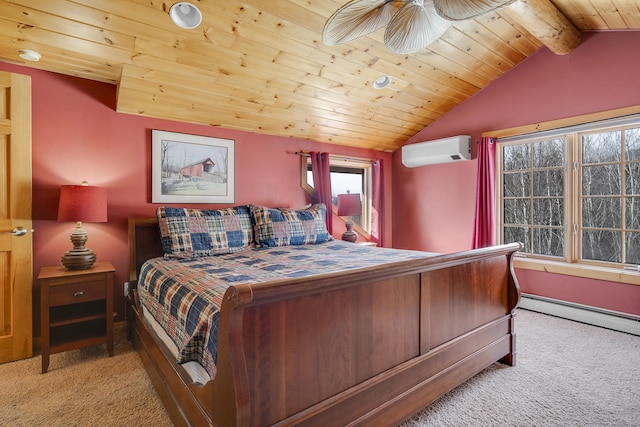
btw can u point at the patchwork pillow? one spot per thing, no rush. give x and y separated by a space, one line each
189 233
282 226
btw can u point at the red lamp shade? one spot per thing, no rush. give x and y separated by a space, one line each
349 205
82 203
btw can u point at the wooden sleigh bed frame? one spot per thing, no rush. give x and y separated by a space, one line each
369 347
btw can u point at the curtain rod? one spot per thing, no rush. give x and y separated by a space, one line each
340 156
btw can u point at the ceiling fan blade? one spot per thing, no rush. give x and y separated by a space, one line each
458 10
414 27
359 18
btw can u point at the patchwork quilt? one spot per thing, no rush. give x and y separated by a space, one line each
184 295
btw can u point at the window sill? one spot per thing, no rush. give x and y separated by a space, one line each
579 270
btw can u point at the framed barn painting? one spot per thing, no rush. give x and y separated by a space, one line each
191 168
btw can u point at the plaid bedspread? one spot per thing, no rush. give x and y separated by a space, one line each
185 295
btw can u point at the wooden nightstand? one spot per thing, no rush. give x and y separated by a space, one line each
76 309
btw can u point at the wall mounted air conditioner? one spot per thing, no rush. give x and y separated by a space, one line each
443 150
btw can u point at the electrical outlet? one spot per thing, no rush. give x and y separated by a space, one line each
126 288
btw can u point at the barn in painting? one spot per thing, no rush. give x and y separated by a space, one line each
198 168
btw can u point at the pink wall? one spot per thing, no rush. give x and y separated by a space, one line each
77 135
434 205
623 297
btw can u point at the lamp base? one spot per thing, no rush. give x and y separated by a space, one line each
349 235
78 259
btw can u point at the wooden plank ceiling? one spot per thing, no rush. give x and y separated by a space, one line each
261 65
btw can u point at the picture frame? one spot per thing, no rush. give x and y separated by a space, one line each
191 168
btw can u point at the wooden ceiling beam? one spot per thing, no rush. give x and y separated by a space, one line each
544 21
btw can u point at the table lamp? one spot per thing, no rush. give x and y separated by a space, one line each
81 203
349 205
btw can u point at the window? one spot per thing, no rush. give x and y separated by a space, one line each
347 175
573 195
533 195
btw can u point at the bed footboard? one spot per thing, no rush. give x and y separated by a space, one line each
372 346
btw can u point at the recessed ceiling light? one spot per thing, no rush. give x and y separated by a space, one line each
381 82
185 15
29 55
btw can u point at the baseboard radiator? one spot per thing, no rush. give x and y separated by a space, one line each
582 313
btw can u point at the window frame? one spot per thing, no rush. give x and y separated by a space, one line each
569 185
346 162
595 270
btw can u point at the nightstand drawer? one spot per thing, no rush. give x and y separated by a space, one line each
73 293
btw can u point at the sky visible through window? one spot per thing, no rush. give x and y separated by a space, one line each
341 183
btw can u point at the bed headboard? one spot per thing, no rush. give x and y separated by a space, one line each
144 243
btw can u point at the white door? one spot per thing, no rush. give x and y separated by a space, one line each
16 340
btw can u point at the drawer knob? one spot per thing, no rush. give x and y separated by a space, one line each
78 294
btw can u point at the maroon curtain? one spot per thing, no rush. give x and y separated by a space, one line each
321 172
377 202
484 221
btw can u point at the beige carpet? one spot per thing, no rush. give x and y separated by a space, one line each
82 388
567 374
